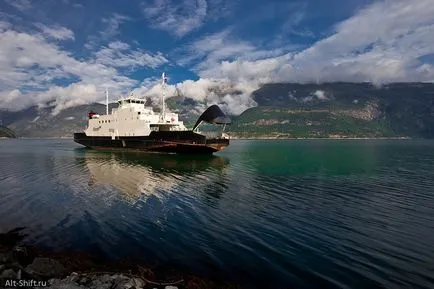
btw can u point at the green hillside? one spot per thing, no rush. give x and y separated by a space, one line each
6 132
306 123
346 109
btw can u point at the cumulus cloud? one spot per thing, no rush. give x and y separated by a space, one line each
59 97
386 41
58 33
381 43
4 25
72 95
225 81
119 54
234 98
22 51
212 49
175 18
30 65
199 90
316 95
355 52
153 90
320 94
14 100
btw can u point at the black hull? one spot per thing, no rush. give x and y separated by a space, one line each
186 142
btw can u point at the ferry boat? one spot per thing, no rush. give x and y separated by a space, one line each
135 126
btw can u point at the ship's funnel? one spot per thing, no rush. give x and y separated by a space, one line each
214 115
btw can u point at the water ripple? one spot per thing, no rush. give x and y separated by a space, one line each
297 214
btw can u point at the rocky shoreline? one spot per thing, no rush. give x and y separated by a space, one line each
26 266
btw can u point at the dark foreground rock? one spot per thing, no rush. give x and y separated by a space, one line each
45 268
26 266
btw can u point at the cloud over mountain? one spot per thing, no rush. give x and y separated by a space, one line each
215 51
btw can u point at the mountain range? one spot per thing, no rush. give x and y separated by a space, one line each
340 110
284 110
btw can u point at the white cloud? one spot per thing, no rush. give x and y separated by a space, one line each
220 49
112 27
258 71
381 43
320 94
384 42
296 14
233 98
21 5
198 90
113 24
24 51
119 54
218 9
176 18
58 33
14 100
4 25
72 95
30 65
21 51
355 52
216 47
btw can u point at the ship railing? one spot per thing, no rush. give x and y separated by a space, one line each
214 135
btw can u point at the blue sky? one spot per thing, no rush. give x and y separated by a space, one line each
69 51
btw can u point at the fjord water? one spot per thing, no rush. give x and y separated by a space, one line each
267 214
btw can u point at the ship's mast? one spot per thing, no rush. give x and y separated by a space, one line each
106 101
163 105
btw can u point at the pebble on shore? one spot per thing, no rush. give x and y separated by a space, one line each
23 263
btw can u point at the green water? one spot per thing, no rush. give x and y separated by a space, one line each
266 214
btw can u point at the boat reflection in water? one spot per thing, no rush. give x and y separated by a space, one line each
138 176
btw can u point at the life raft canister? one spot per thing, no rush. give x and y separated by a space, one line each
90 114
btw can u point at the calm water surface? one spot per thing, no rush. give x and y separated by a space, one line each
274 214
